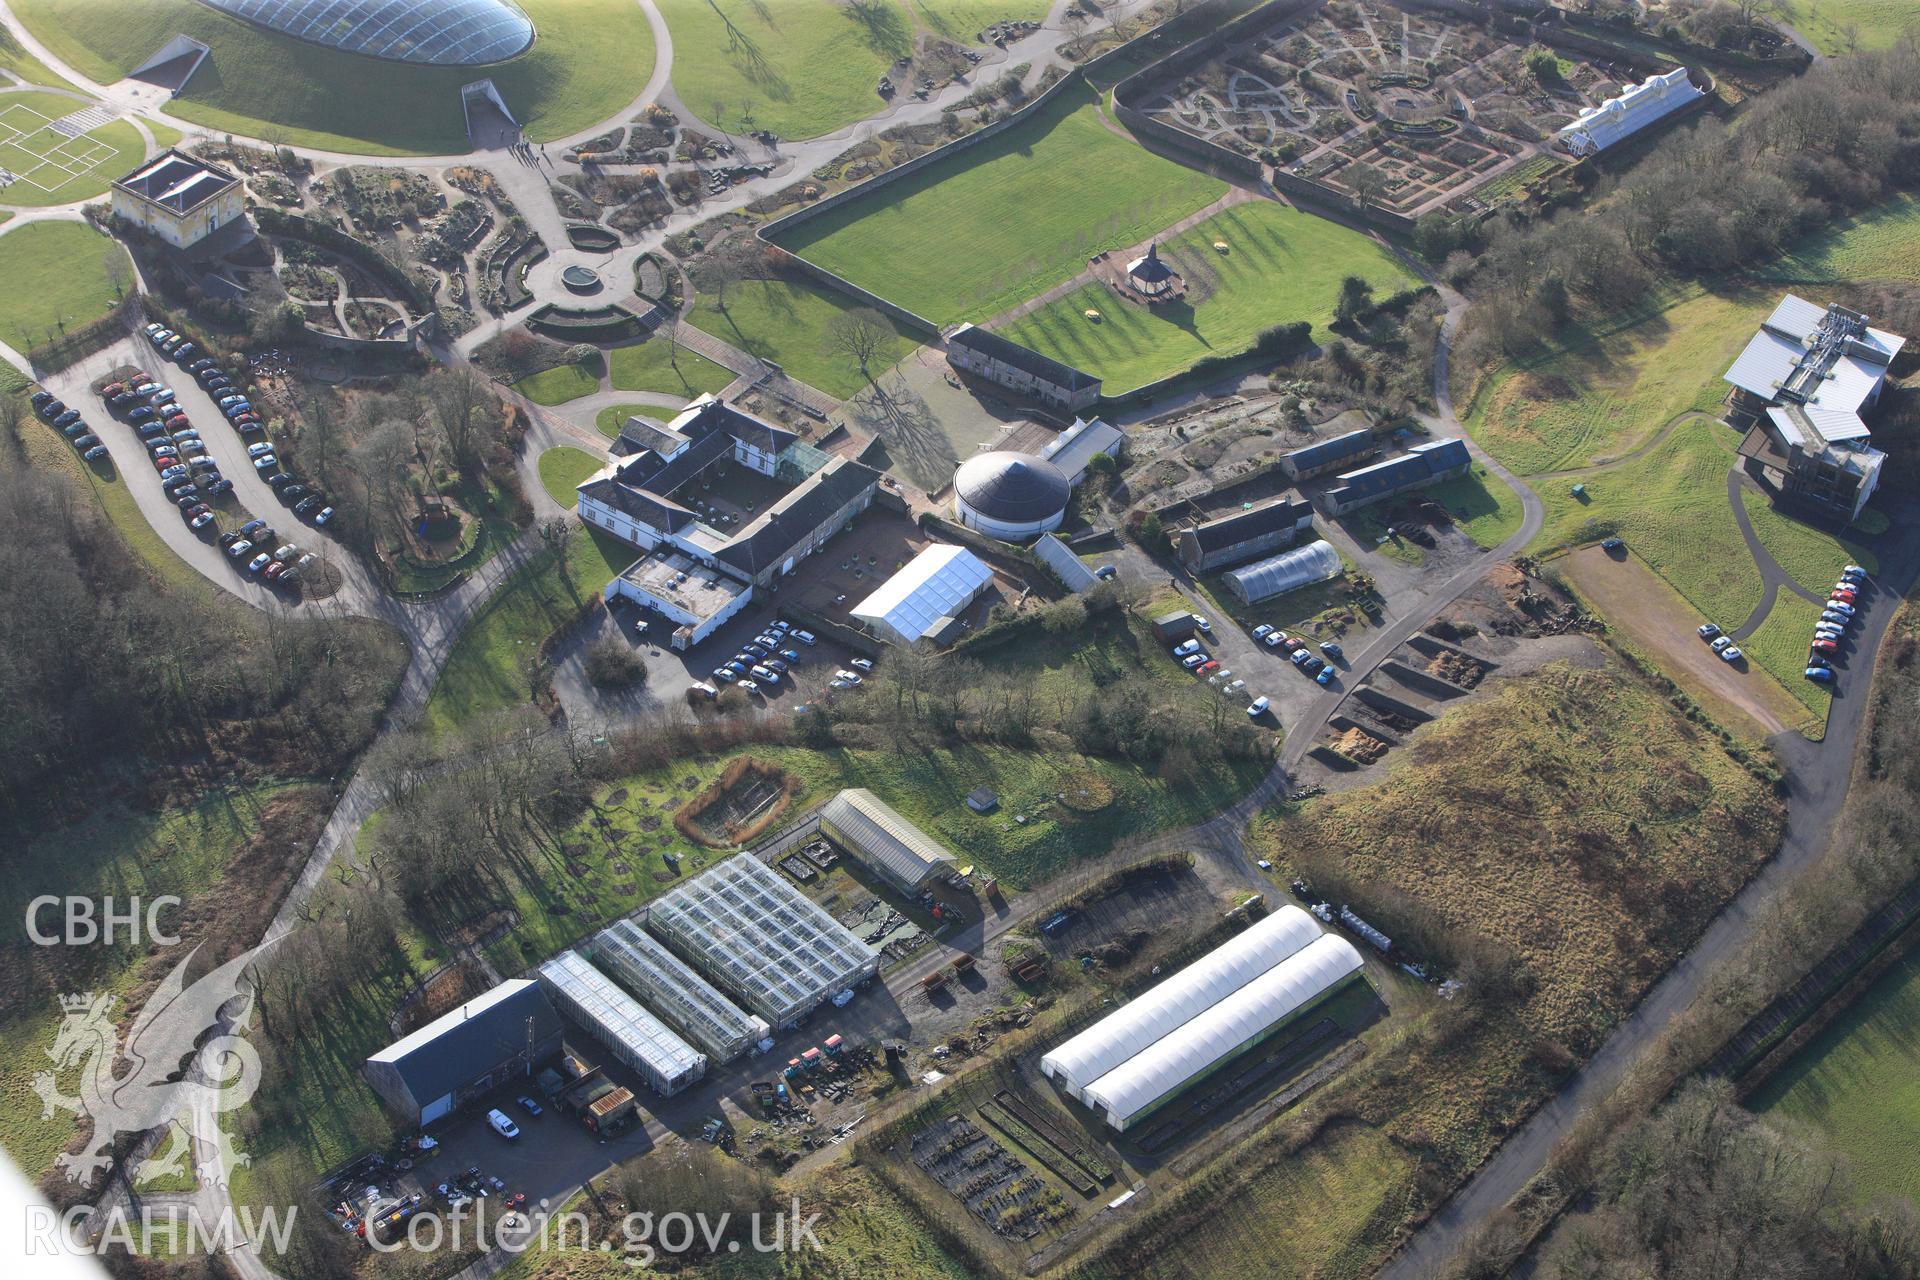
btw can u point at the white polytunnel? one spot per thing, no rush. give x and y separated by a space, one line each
1136 1087
1315 562
1172 1004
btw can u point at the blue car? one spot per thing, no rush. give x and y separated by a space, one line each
1324 676
142 414
1823 675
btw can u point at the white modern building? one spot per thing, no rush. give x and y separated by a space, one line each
179 198
935 585
1014 497
642 1041
1628 112
1277 998
1163 1010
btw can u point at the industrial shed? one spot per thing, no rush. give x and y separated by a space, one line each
1169 1006
465 1052
1156 1075
1264 579
670 987
938 583
635 1036
760 940
873 831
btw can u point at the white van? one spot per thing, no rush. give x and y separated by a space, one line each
705 690
502 1124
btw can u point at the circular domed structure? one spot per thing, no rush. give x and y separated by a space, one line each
434 33
1010 496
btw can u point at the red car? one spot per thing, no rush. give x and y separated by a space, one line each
112 389
164 461
177 421
1206 668
273 571
1290 643
1844 597
1825 646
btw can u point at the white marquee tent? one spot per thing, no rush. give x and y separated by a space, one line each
939 582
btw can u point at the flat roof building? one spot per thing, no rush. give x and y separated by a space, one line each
180 198
670 988
871 830
635 1036
428 1073
757 938
1243 535
938 583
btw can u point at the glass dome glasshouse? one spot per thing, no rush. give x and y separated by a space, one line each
439 33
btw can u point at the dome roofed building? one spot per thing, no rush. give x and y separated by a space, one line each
1010 496
435 33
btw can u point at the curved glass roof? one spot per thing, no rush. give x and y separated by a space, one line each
442 33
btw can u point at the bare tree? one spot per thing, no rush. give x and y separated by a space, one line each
858 335
1365 181
459 397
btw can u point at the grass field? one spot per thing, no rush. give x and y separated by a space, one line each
1813 556
1778 646
56 274
164 135
491 664
52 168
1483 505
1858 1081
1876 24
1597 398
962 21
1877 245
563 468
589 63
614 416
651 366
561 383
786 322
1281 266
1015 215
15 58
800 67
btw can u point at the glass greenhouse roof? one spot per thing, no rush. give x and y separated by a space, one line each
444 33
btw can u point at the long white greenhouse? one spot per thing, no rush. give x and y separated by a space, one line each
670 988
760 940
636 1037
1263 579
1133 1090
1165 1008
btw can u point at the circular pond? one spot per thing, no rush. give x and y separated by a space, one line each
581 279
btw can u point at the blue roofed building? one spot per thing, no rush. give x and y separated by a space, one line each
432 1072
1422 465
1330 454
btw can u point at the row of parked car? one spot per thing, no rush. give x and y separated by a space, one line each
1195 658
769 658
70 424
1301 655
1837 614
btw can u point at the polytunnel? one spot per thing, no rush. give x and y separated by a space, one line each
1315 562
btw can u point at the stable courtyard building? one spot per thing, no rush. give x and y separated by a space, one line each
1021 370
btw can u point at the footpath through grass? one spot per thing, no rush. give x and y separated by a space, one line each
1280 266
491 666
589 61
1858 1081
1019 213
786 321
798 67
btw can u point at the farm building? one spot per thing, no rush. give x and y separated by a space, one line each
1276 575
1247 1017
1799 387
1628 112
872 831
464 1053
670 987
1080 443
1058 556
1164 1009
757 938
1021 369
938 583
179 198
1010 496
1239 537
1422 465
1331 454
618 1021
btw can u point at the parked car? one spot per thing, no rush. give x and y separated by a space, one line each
748 685
1207 668
528 1105
1324 676
67 418
185 352
40 400
204 362
259 562
286 551
95 453
1731 654
265 462
861 664
323 515
305 505
1854 571
218 485
272 570
1840 607
140 414
1258 707
258 450
1823 675
724 675
1332 649
1298 657
1206 628
1825 646
1106 573
851 677
765 674
804 637
501 1124
233 399
1190 662
202 520
207 465
1264 629
757 650
279 478
239 548
1721 643
1186 647
791 655
1708 630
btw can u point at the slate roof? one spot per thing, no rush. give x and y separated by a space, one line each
1321 452
1014 487
798 514
1022 358
1245 526
177 181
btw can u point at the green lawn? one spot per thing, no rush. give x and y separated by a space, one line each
563 468
1483 505
1671 507
786 321
491 664
1595 398
1281 266
962 21
1813 556
1859 1082
164 135
652 366
1877 245
56 275
614 416
53 168
1016 215
590 61
561 383
1877 24
1778 646
800 67
15 58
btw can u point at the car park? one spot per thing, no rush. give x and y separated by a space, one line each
1258 707
1731 654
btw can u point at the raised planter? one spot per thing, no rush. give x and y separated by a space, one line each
596 324
591 239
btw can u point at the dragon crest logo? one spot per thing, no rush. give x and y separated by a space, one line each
177 1077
